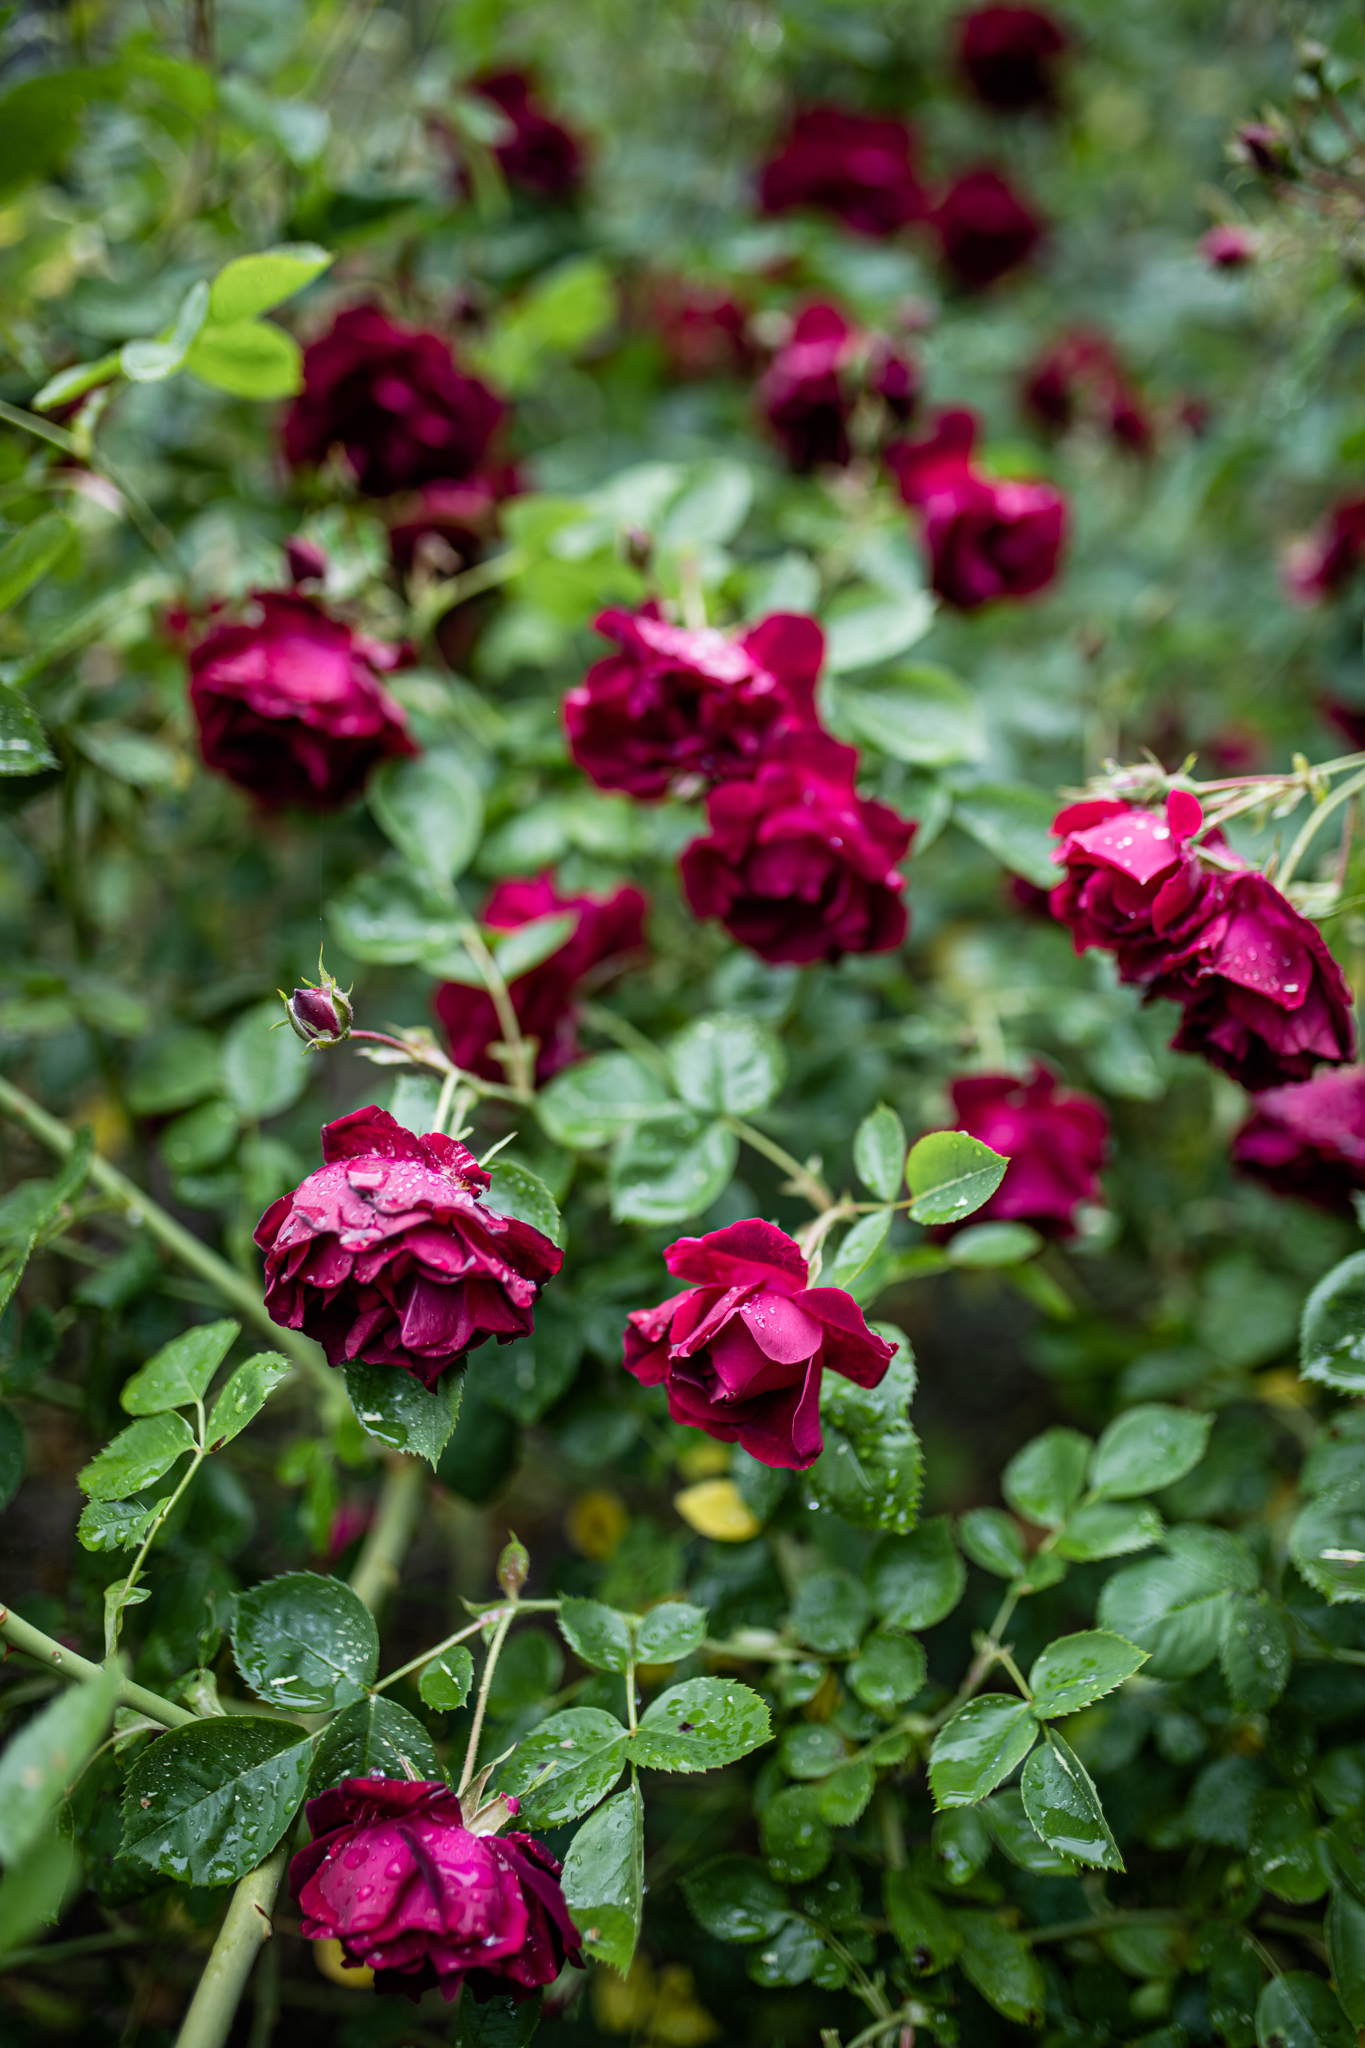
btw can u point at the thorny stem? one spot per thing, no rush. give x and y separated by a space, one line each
53 1656
471 1754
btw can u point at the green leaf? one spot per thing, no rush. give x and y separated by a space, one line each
1017 1839
598 1634
47 1755
23 743
917 713
1109 1529
251 285
870 1470
811 1749
1044 1481
431 809
700 1725
844 1794
866 634
1075 1671
669 1632
987 1245
604 1879
1013 821
950 1174
858 1248
790 1957
1288 1854
516 1191
13 1455
727 1065
671 1168
264 1069
734 1899
445 1682
1002 1966
514 953
559 314
994 1540
1170 1607
180 1371
526 1377
209 1801
794 1835
393 1407
1256 1654
75 382
879 1152
593 1101
710 510
1061 1801
1298 2010
143 1452
926 1932
979 1747
918 1579
148 362
1146 1448
1222 1557
887 1671
34 1888
372 1739
564 1766
173 1070
305 1642
30 553
500 2023
248 359
388 915
132 757
115 1524
1332 1336
1327 1542
1346 1948
829 1611
244 1396
962 1842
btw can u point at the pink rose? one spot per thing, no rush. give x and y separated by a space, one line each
1054 1138
859 167
988 537
984 228
1009 56
1229 247
741 1352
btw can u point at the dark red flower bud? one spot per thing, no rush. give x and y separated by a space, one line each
703 329
860 167
1055 1139
985 229
320 1016
409 1891
306 560
1009 56
1264 148
1080 379
742 1351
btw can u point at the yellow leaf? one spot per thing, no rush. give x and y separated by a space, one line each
595 1524
715 1508
704 1460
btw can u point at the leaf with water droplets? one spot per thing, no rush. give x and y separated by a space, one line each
207 1802
373 1739
305 1642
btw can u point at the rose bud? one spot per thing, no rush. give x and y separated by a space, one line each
1308 1139
985 229
797 865
859 167
321 1015
409 1891
394 399
679 701
306 560
539 157
388 1254
1264 148
1322 564
1054 1138
1229 247
605 929
741 1352
290 705
514 1567
988 537
1009 56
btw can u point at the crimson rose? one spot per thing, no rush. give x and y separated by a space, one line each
1308 1138
988 537
601 929
1080 378
859 167
394 399
387 1253
540 156
1324 562
797 865
702 328
1134 882
1009 56
396 1877
1053 1137
808 392
741 1352
680 701
984 228
290 705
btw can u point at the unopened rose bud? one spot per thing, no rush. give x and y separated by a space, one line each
513 1568
307 562
1264 148
637 547
320 1016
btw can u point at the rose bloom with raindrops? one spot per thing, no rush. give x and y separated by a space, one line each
682 1119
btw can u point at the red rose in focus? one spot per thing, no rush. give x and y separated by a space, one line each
859 167
290 705
1135 884
387 1253
985 229
396 1877
742 1351
394 399
797 865
602 929
678 701
702 328
1009 56
540 156
1308 1139
1054 1138
988 537
1080 378
1228 247
1323 563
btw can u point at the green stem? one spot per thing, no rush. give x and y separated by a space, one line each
115 1618
56 1657
158 537
803 1181
1296 852
631 1721
243 1933
519 1059
1097 1923
415 1663
471 1755
911 2014
458 589
401 1500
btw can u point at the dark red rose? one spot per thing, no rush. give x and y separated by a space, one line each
807 393
602 929
540 156
796 864
388 1254
1324 562
1135 884
742 1351
1009 56
678 702
1264 999
447 526
985 229
1080 379
394 399
1228 247
860 167
988 537
1349 720
702 328
290 705
1054 1138
1308 1139
396 1877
